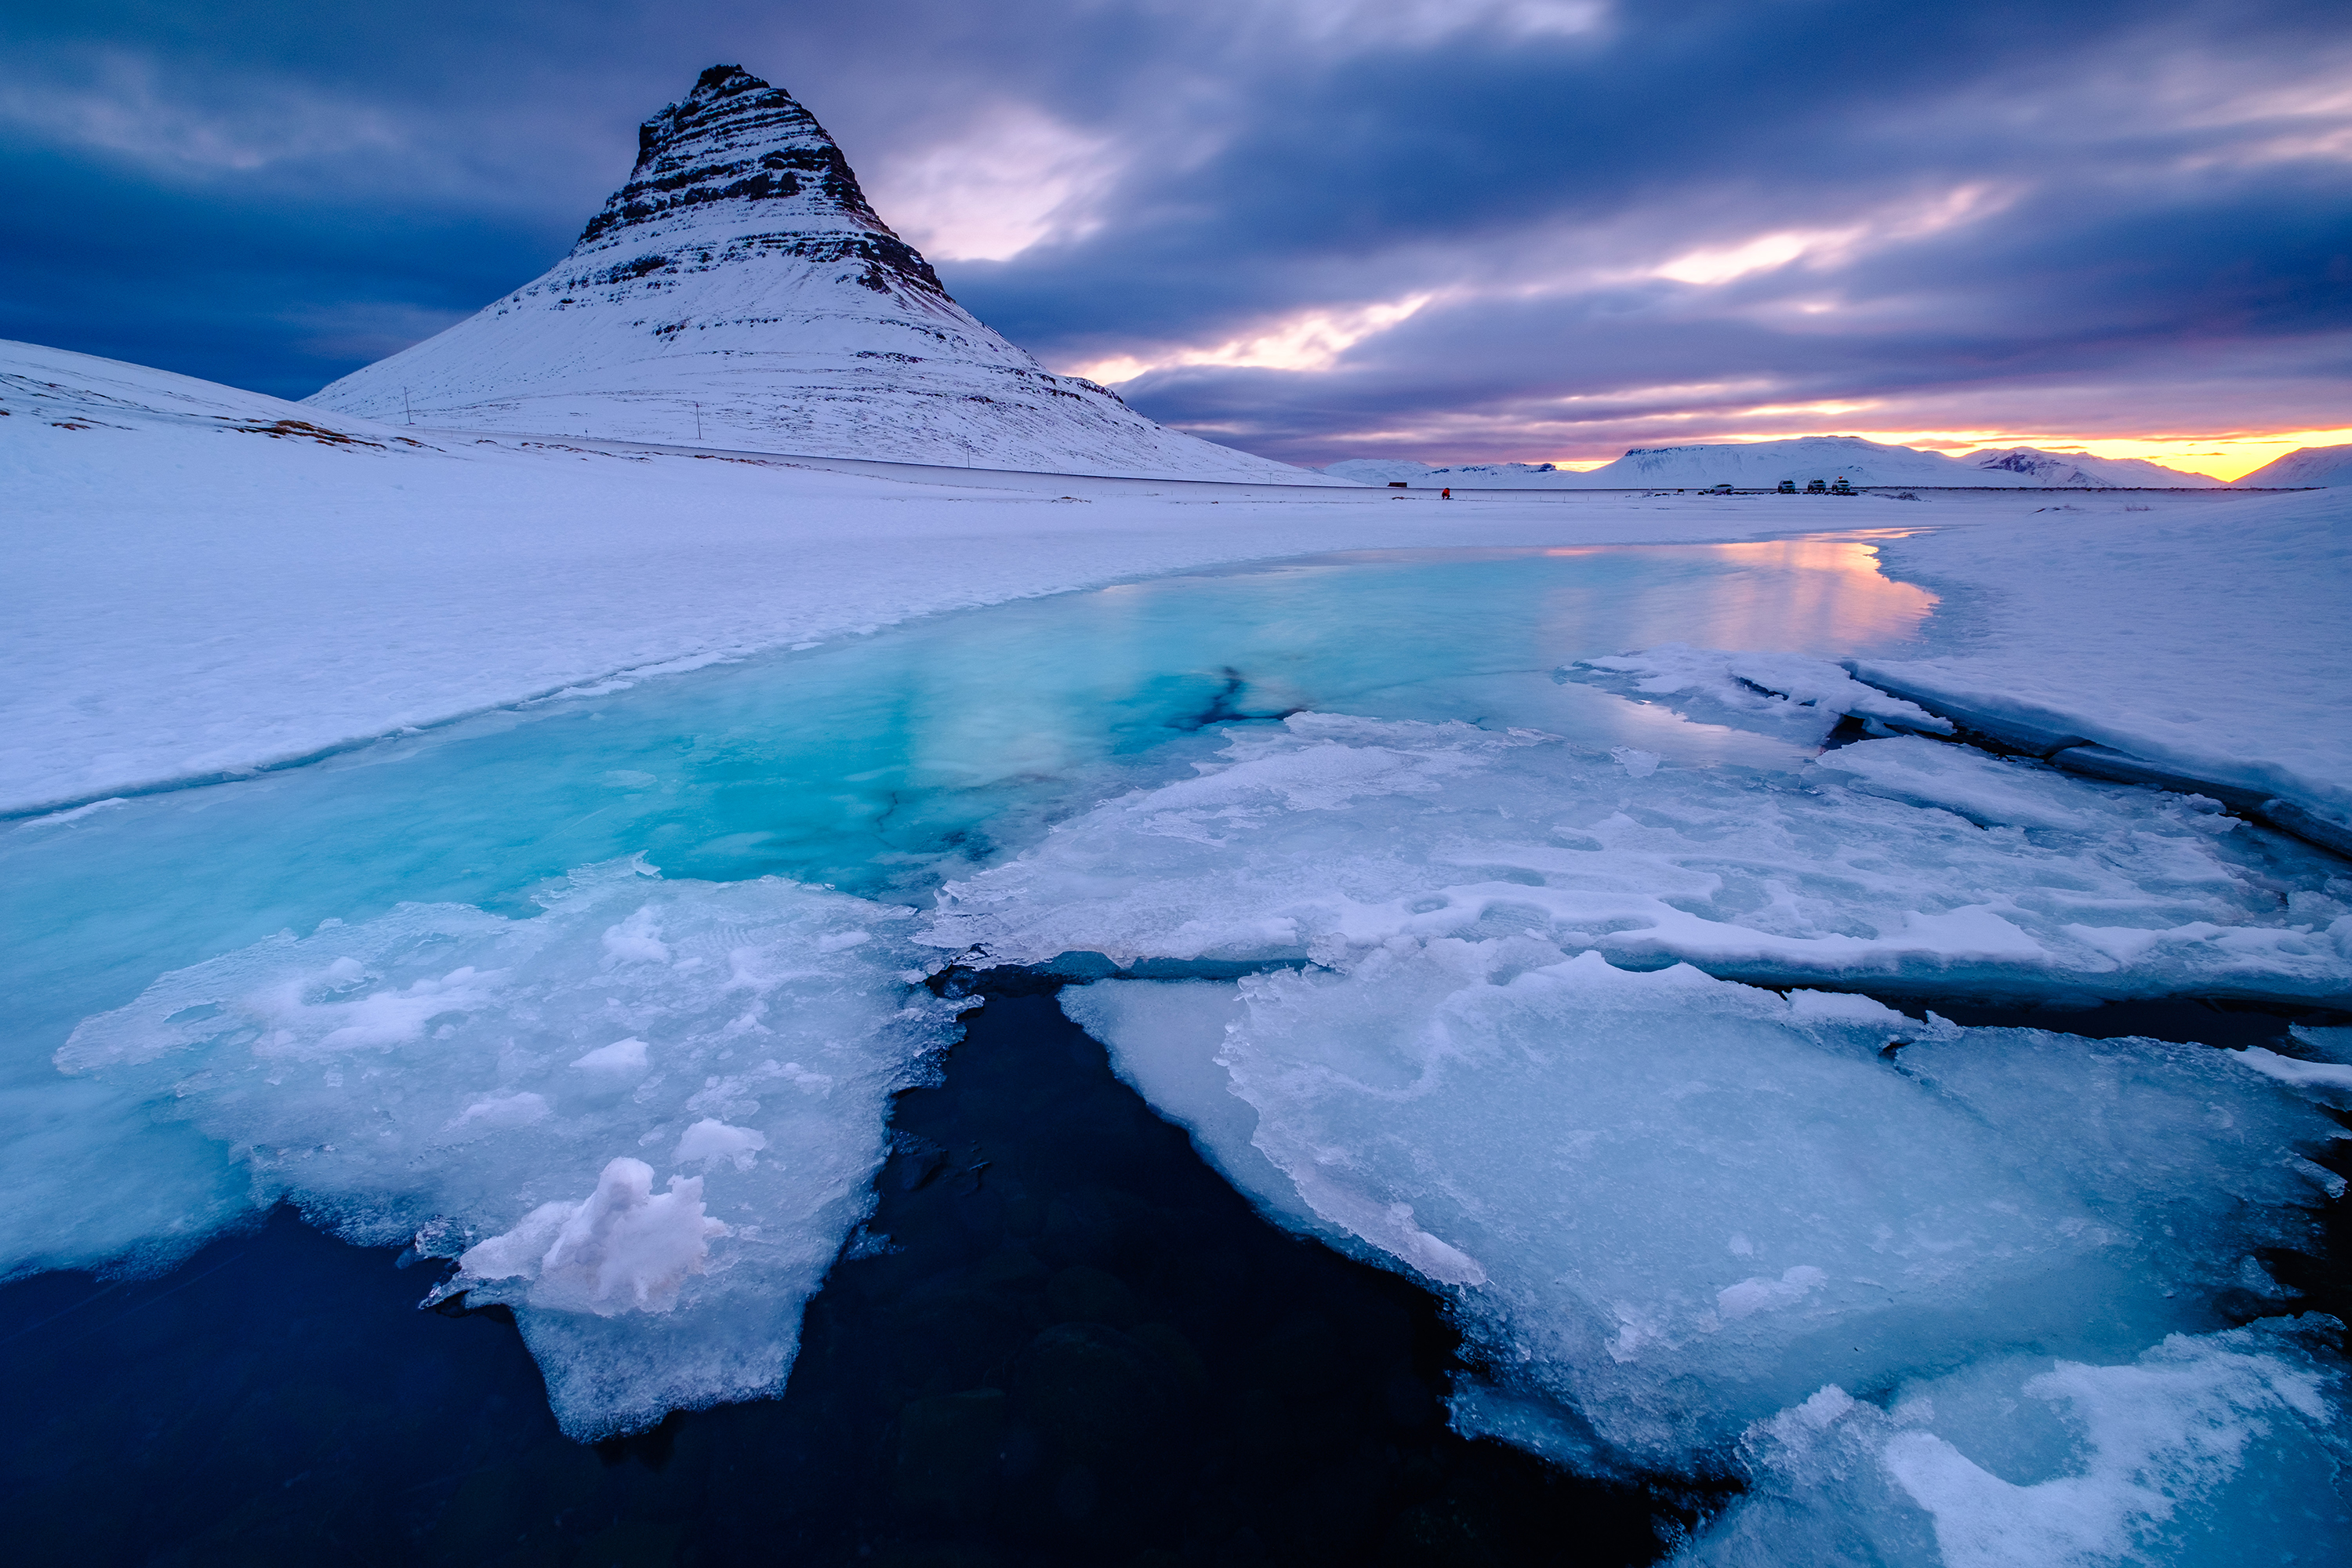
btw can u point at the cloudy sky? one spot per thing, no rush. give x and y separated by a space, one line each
1541 230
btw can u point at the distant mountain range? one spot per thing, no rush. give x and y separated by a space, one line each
740 291
1761 465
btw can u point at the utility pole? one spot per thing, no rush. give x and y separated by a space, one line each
698 424
404 412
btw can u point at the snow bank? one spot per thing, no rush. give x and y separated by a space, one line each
509 1094
2207 639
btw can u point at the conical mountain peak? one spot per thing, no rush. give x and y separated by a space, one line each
740 291
736 140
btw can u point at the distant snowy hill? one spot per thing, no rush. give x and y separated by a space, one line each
1378 471
2308 466
2081 469
739 292
1760 465
68 391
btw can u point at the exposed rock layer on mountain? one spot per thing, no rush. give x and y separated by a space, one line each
740 291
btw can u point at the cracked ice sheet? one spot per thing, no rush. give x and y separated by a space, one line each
646 1118
1785 694
1668 1206
1901 861
2210 1449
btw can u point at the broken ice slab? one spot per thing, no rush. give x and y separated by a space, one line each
2213 1450
645 1119
1899 861
1667 1205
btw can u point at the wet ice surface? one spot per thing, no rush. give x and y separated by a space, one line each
875 768
1900 861
1684 1217
1076 1346
495 1089
1691 1227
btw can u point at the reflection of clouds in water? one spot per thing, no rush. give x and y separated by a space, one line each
1818 594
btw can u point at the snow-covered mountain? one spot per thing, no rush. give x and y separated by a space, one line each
1760 465
1378 471
2305 466
739 291
2081 470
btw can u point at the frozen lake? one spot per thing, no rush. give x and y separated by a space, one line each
680 927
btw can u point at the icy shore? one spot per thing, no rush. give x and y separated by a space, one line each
201 589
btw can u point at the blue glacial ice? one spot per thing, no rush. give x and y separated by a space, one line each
646 1118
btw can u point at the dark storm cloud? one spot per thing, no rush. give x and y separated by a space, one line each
2096 217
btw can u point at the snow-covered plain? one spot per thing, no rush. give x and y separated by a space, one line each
1940 1294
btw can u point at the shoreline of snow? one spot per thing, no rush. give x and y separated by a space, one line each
2125 633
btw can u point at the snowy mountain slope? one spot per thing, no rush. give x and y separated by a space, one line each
1760 465
2081 469
2307 466
739 292
1378 471
69 391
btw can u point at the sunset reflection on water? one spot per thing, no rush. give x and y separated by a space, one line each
1821 594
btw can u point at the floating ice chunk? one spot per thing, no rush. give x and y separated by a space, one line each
518 1251
623 1248
1637 764
621 1058
1838 1007
1331 837
2331 1078
710 1139
1585 1138
1784 692
498 1111
637 939
2194 1452
1762 1295
440 1066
